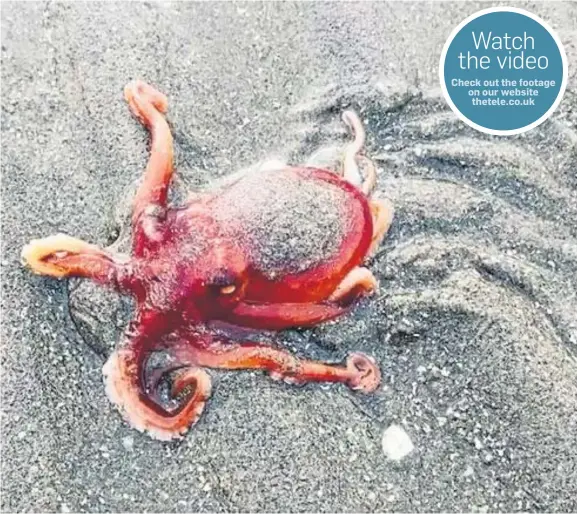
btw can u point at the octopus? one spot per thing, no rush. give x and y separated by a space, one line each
273 249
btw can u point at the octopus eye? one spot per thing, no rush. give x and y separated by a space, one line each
228 289
224 283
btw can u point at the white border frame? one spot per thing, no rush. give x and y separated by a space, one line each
461 116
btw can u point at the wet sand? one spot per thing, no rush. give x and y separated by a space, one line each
474 326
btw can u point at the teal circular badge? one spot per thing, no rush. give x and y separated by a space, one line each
503 71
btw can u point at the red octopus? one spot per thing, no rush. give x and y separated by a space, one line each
269 250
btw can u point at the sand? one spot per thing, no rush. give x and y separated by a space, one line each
474 326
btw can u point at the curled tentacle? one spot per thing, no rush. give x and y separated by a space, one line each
138 94
125 388
351 170
365 375
190 377
154 378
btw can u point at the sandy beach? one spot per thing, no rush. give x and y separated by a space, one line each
474 325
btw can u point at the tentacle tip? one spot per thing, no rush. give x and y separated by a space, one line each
348 114
372 287
35 253
132 88
138 91
350 117
27 254
366 376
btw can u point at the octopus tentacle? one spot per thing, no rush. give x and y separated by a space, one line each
149 106
352 152
191 377
280 316
370 181
154 378
359 373
62 256
125 381
359 281
383 214
125 389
